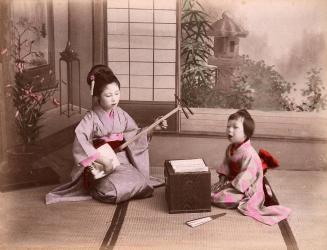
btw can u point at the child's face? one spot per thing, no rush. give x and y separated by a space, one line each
235 131
109 97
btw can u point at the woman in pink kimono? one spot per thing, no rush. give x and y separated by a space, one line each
107 123
240 182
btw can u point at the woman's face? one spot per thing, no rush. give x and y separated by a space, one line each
109 97
235 131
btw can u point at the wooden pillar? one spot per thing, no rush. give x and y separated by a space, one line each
4 74
99 24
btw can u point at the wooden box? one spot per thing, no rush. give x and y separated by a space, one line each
187 192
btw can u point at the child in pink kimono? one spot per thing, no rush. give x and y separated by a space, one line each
240 182
107 123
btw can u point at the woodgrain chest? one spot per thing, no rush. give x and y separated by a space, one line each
187 192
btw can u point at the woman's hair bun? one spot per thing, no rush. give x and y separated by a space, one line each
101 75
96 69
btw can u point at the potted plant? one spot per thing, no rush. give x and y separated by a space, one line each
27 101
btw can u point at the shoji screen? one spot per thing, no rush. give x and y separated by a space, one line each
142 47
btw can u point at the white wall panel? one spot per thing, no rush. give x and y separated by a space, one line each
119 67
141 4
164 69
164 82
117 41
141 16
142 81
164 94
164 55
141 42
165 29
165 42
141 29
141 94
124 93
123 79
164 16
117 4
141 68
117 28
143 55
117 15
165 4
141 48
118 55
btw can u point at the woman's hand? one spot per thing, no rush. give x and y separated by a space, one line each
96 169
106 164
163 125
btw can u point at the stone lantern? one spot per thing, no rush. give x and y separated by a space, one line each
226 35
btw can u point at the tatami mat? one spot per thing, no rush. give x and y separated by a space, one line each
305 192
148 225
27 223
61 161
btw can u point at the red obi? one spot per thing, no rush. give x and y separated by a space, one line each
267 160
113 144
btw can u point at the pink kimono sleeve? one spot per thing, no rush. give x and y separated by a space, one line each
88 161
247 175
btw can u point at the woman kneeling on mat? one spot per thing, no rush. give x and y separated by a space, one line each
98 177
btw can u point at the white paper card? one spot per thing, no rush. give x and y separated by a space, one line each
190 165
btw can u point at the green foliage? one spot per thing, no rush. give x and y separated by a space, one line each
240 94
27 103
270 88
315 99
195 50
28 108
197 77
252 84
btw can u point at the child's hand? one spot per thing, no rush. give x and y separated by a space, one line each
215 188
219 184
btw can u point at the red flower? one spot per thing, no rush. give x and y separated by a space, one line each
55 101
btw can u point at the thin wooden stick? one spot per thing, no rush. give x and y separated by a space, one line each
183 103
124 145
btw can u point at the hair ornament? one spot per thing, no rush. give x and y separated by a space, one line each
92 84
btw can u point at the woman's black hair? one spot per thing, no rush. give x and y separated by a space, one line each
248 123
102 76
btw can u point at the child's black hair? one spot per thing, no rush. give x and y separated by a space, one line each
102 76
248 123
